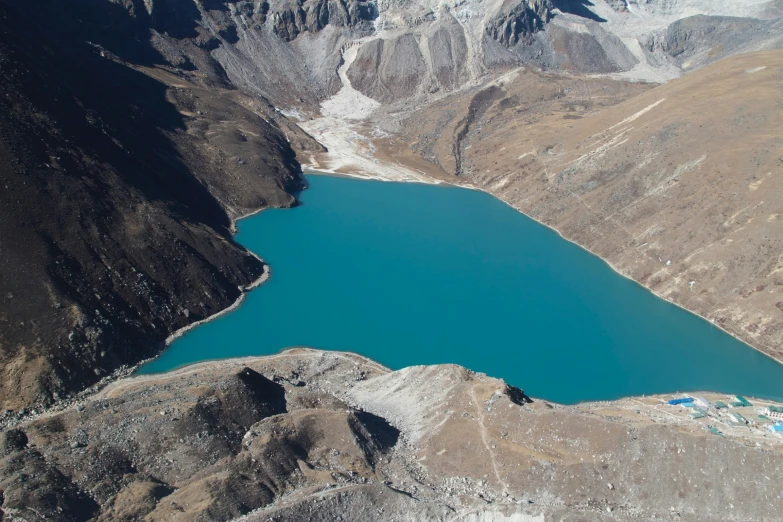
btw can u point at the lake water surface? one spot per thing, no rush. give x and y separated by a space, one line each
412 274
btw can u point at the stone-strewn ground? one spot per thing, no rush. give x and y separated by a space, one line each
330 436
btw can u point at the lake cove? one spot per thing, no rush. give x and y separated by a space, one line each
410 274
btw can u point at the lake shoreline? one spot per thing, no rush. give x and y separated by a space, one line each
470 186
331 196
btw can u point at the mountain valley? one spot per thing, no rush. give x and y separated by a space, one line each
135 133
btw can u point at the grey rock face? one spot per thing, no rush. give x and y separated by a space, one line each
519 21
290 18
704 39
618 5
388 70
448 52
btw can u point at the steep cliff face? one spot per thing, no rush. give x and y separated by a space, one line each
422 49
518 21
291 18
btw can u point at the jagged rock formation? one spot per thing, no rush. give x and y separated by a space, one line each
291 18
308 435
521 20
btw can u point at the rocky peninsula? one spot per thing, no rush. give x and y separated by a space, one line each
319 435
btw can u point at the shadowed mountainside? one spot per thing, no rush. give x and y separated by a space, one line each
116 205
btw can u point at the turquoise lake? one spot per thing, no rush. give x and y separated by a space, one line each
412 274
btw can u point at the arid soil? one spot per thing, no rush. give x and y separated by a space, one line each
330 436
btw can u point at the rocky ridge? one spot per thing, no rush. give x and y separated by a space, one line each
329 435
521 21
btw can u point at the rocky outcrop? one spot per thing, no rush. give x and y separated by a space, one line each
518 20
698 40
290 18
309 435
618 5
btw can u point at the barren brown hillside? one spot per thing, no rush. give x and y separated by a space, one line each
678 187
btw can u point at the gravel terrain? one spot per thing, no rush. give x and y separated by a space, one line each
333 436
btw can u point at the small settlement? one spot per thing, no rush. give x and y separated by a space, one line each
737 412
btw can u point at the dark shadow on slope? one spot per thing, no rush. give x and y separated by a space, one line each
517 396
113 113
578 8
99 209
113 23
384 434
125 31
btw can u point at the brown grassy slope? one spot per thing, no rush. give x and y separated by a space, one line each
689 172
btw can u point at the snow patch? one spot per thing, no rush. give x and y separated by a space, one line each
639 114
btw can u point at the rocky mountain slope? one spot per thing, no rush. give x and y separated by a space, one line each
333 436
677 187
118 186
